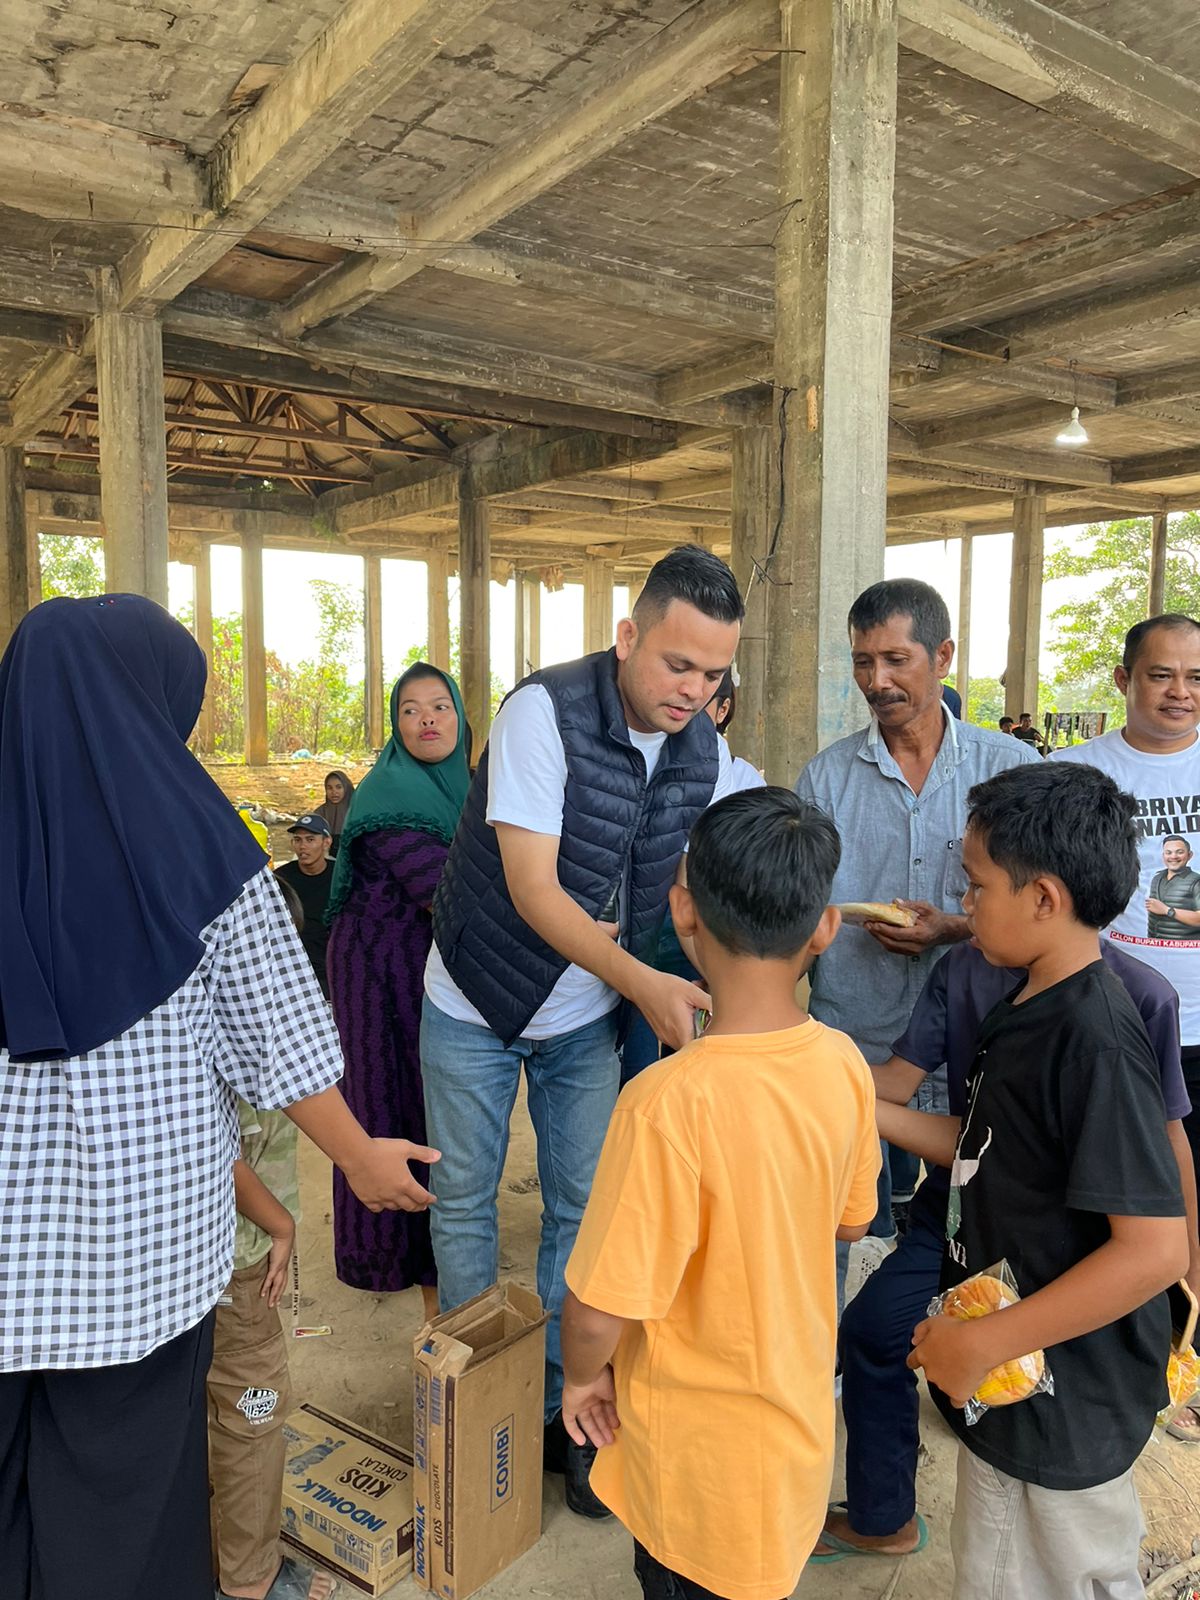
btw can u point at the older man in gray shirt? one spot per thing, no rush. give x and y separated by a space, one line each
897 791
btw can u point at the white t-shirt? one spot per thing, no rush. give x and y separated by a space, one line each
1167 790
527 779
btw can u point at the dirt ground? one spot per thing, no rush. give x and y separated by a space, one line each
363 1371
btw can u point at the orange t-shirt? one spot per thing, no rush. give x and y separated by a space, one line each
725 1173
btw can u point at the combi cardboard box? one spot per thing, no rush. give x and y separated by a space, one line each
479 1378
347 1499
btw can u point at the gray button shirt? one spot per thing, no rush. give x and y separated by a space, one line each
896 845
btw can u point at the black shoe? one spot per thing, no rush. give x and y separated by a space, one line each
560 1453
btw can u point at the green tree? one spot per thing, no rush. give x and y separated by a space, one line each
314 701
71 566
1117 556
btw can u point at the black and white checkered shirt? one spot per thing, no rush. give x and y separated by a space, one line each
116 1167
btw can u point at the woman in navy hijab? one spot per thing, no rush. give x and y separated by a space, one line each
149 974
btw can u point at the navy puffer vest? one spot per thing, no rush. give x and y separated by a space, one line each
612 819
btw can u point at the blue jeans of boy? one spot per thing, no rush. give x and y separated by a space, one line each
471 1082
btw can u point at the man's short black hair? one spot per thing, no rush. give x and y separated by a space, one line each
692 574
1003 720
1027 716
1177 838
760 869
903 597
1140 632
1067 820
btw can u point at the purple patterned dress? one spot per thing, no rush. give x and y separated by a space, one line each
377 950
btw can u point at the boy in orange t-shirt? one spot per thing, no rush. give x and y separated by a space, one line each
704 1268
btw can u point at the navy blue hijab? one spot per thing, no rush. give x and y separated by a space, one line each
117 847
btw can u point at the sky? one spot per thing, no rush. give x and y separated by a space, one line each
291 611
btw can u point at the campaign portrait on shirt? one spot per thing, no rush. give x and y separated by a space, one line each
1174 889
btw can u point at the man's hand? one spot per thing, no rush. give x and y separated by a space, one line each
381 1179
589 1411
1157 907
932 927
950 1353
275 1281
669 1004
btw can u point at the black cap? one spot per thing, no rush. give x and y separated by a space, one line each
311 823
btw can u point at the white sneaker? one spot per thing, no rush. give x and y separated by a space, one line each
865 1255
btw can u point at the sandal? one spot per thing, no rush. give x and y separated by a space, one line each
843 1550
1186 1435
292 1582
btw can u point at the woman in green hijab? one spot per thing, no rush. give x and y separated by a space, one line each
394 846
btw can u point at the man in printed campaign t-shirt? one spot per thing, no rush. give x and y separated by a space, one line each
547 913
1156 758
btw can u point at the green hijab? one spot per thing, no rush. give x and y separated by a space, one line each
402 792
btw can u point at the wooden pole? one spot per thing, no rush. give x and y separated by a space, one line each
1025 605
754 508
133 447
373 650
254 651
1158 565
33 555
527 603
14 542
833 302
597 604
202 611
437 626
475 567
962 654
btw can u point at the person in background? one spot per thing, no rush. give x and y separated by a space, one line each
1156 758
310 877
641 1045
953 700
1007 725
149 975
396 837
339 791
897 791
702 1315
1028 734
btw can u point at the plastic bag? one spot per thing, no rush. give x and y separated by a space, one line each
1183 1379
978 1296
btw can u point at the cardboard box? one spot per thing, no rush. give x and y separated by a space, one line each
479 1379
347 1500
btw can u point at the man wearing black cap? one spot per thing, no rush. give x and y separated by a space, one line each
311 875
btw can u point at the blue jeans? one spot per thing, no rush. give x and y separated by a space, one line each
879 1393
471 1083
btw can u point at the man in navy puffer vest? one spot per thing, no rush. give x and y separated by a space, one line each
556 883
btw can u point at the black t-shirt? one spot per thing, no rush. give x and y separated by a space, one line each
313 889
1064 1128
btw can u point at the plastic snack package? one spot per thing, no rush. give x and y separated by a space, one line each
979 1296
1183 1379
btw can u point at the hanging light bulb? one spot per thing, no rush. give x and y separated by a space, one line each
1074 432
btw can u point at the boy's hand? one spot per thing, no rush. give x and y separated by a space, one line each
275 1282
381 1178
589 1411
949 1351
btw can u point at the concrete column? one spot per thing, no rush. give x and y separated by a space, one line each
1158 565
133 448
527 604
475 650
14 544
636 585
33 556
254 651
202 611
597 604
437 627
373 650
1025 605
754 508
962 650
833 302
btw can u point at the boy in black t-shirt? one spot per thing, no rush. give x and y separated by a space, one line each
1061 1166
